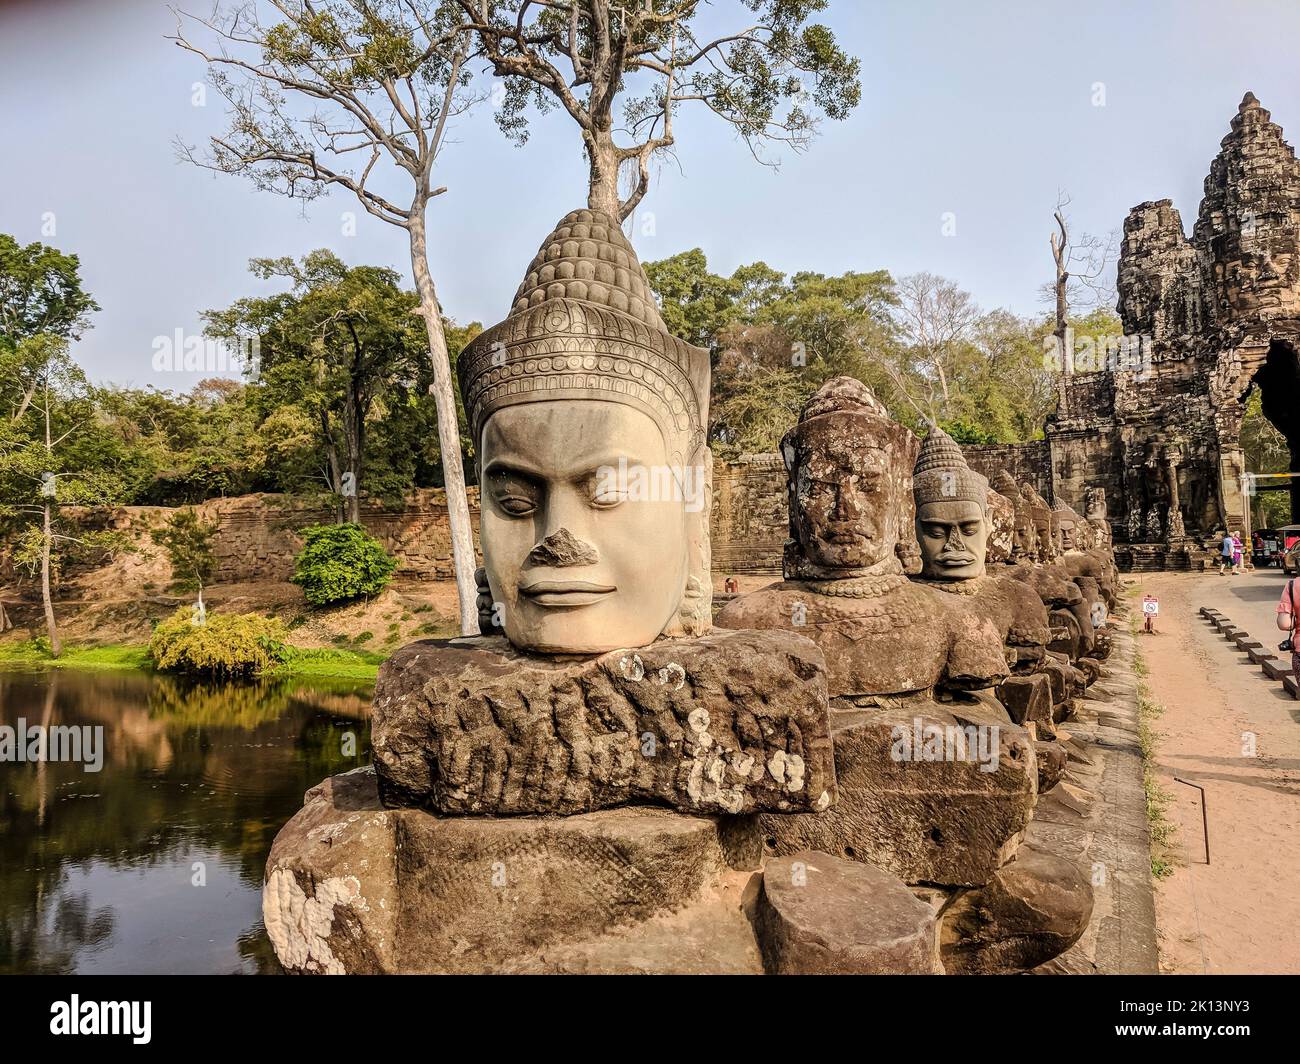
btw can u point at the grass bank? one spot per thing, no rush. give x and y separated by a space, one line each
308 664
1158 799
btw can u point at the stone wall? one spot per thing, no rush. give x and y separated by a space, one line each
1024 461
750 517
257 535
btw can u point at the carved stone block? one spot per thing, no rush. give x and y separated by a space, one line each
732 722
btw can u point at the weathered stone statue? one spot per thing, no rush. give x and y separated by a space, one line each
850 467
529 781
1002 528
590 420
954 529
892 647
1097 512
1024 538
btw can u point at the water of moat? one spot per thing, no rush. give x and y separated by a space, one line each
154 864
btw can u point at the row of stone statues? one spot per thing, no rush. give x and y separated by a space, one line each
837 773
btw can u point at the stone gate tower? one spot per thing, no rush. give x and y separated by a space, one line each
1221 316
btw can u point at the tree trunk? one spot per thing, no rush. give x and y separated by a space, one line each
56 646
352 431
453 469
332 464
602 190
47 538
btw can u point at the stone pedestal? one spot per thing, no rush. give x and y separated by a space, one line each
906 804
354 887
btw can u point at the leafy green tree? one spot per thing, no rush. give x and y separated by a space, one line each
1266 451
696 304
40 296
357 95
187 541
341 346
53 454
770 75
341 563
219 645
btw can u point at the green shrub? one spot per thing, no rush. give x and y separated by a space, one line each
226 645
340 563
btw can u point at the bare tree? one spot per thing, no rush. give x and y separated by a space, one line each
1083 277
581 55
934 320
320 99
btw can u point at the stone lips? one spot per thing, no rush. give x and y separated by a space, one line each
733 722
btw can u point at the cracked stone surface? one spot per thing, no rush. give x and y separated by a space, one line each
354 887
729 723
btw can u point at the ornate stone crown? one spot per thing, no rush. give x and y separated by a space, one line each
942 475
585 326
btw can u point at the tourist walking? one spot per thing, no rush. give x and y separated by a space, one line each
1288 611
1226 548
1238 555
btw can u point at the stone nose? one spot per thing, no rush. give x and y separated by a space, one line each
562 550
847 505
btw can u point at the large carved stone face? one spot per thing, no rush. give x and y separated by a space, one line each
846 515
954 539
578 563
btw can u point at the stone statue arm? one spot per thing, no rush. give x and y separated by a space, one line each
976 657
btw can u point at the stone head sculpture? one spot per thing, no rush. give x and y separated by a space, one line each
1096 511
951 511
1045 530
850 477
1085 536
590 422
1066 521
1024 545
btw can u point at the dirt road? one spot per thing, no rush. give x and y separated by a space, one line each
1236 734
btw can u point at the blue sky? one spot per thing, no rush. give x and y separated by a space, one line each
981 109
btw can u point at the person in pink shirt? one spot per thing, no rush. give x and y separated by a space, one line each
1288 612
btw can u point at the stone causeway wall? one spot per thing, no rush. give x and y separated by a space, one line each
257 535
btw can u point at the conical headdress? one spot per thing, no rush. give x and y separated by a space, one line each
942 474
585 326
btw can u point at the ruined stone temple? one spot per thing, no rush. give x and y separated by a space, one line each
1221 309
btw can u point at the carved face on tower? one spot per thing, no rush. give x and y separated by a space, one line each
850 485
595 479
951 511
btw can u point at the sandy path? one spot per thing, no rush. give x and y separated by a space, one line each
1241 913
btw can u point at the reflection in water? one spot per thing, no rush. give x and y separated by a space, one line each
155 863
